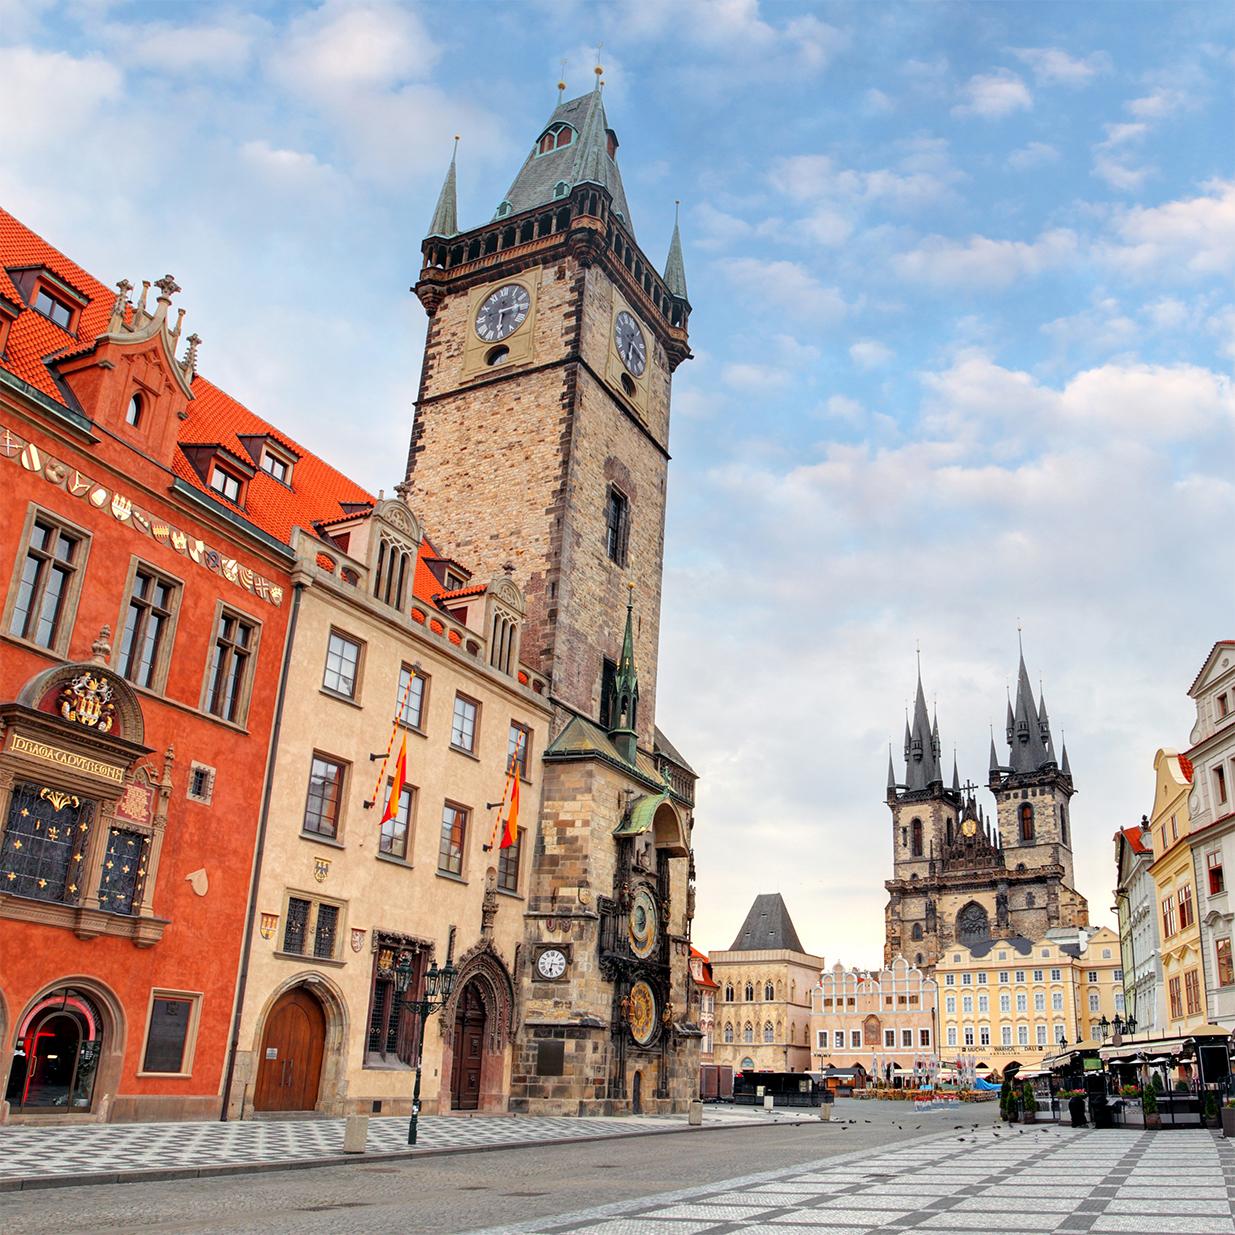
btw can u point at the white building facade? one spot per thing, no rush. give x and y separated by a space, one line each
1211 808
1139 942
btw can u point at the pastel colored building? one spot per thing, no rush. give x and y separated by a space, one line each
1136 904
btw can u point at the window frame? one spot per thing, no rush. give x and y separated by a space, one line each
43 288
460 697
340 797
276 456
617 535
70 596
517 726
316 901
425 681
244 695
336 692
163 654
189 1049
408 822
445 871
504 861
1214 872
222 490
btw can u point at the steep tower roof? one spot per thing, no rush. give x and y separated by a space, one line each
446 215
768 927
675 269
1029 734
922 767
587 156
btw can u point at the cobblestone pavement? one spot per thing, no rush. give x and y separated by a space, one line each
1042 1180
63 1153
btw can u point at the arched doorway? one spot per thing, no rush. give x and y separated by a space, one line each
471 1022
56 1055
290 1067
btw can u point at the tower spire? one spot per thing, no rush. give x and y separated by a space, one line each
446 215
626 688
675 269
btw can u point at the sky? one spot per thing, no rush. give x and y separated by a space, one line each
963 325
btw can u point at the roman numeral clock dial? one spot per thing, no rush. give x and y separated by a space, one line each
502 312
630 343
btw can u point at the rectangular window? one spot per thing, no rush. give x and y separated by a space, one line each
321 808
1094 1002
145 641
1040 1034
1057 1001
982 979
1022 1003
1220 782
984 1035
968 1035
1003 977
51 307
1056 975
950 1004
508 865
855 1038
342 665
463 725
984 1003
1091 975
1037 975
951 1035
393 840
48 584
1168 917
311 927
889 1038
924 1037
1039 1001
907 1038
1020 975
967 1003
1005 1003
169 1033
325 931
1005 1035
966 979
840 1039
231 664
296 925
122 881
1186 914
454 833
1022 1035
45 841
1223 706
1119 1002
1213 867
411 701
1117 975
274 466
224 483
1222 953
1192 991
617 525
949 979
1175 998
518 748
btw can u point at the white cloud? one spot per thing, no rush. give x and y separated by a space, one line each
1195 234
1158 103
842 407
222 46
752 378
876 103
788 286
981 262
923 176
294 170
1032 154
870 354
1052 65
994 95
81 86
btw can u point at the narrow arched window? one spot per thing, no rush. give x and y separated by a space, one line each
915 838
768 1032
728 994
561 189
748 1032
750 993
916 933
728 1033
1063 824
768 992
1026 822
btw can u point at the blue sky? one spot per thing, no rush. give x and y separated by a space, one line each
963 325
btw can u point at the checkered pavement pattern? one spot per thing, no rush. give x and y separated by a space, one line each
35 1153
1049 1179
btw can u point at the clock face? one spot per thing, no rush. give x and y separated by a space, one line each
551 963
970 827
642 1013
630 344
644 933
503 312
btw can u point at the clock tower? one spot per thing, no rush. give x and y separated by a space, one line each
541 447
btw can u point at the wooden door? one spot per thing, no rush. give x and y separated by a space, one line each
470 1023
291 1059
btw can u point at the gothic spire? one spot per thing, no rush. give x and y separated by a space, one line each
1065 767
891 772
994 765
446 215
626 688
956 776
1026 737
922 746
675 269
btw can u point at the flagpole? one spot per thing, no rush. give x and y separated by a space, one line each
412 674
506 789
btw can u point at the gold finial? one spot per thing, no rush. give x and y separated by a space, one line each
630 587
561 85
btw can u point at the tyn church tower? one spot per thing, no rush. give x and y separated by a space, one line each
961 877
541 447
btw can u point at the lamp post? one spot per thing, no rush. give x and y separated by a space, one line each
1104 1028
438 985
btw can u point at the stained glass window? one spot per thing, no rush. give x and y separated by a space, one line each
45 844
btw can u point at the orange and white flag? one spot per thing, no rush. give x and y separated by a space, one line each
396 785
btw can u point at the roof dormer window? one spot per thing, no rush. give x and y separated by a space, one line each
53 308
560 189
277 466
503 209
453 582
555 138
225 483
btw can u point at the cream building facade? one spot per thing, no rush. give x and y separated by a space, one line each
341 896
1182 999
1211 813
1136 904
883 1021
764 981
1008 1001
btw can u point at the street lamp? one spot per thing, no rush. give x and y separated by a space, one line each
438 982
1104 1028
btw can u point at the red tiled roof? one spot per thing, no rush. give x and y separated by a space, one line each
1135 840
1185 766
475 589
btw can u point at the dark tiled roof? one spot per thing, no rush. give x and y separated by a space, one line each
664 747
768 927
1017 942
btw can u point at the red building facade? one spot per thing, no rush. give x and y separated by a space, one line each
146 598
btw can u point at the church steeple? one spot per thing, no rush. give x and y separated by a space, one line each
675 268
446 215
922 768
626 688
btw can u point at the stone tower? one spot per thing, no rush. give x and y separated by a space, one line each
956 876
541 441
542 423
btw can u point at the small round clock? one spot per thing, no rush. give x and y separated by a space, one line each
551 963
502 312
642 1013
642 925
630 343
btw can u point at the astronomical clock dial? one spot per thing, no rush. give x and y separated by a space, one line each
642 1013
502 312
643 927
630 343
551 963
970 827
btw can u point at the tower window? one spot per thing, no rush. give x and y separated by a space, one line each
496 355
561 189
503 209
1026 817
133 413
617 525
555 138
608 692
915 834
